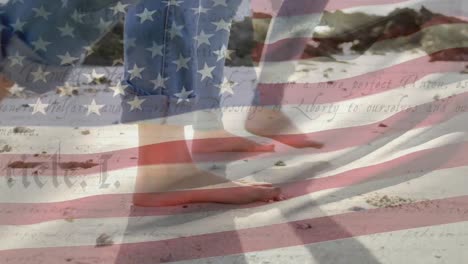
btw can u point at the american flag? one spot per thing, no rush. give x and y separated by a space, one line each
381 84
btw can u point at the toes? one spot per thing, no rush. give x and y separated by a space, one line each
264 148
272 193
256 184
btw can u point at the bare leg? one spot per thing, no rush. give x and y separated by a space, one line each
277 126
161 184
274 124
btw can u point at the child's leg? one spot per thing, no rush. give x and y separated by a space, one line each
166 50
215 21
273 123
161 70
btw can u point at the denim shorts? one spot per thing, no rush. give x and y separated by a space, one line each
174 58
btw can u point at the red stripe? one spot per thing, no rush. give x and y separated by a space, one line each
118 205
172 152
415 215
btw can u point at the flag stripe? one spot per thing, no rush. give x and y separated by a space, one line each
424 115
419 214
118 205
431 127
420 141
80 232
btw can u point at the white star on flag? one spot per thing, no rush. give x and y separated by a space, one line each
146 15
18 25
206 72
223 53
183 95
77 17
226 86
66 90
94 108
118 89
40 44
16 60
175 30
40 75
41 12
103 25
182 62
155 49
222 25
67 59
15 89
94 76
203 38
89 50
39 107
66 31
136 72
159 82
136 103
119 8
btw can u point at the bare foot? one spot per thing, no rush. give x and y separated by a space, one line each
277 126
167 184
223 141
184 184
242 194
5 84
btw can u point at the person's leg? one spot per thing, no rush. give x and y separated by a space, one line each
214 20
269 122
161 66
165 52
